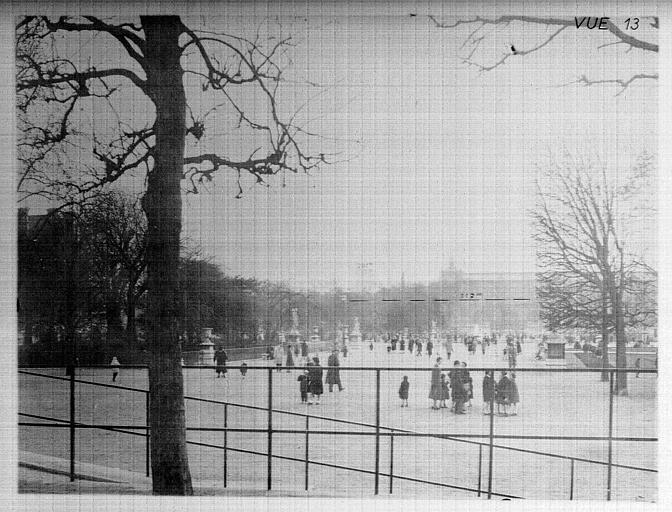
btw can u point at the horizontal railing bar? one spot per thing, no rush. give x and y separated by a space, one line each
373 368
349 468
116 428
84 381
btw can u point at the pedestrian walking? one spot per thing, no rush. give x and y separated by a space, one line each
435 385
394 343
519 347
371 346
402 344
303 386
220 362
503 394
411 342
304 349
457 388
243 369
115 368
278 352
403 391
290 358
345 350
637 365
418 344
468 384
445 392
333 373
430 348
488 392
514 397
449 347
315 387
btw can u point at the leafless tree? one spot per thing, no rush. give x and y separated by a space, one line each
483 27
590 265
65 159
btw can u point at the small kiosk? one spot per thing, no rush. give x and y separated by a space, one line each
555 351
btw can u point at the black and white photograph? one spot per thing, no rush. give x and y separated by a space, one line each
399 252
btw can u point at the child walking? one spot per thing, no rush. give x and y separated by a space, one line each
115 368
403 391
514 397
303 386
445 392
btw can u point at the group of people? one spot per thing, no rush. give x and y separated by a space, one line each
459 387
415 345
310 381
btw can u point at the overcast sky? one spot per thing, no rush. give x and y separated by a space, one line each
435 161
440 158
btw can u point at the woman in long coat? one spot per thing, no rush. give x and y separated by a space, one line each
488 392
515 397
333 373
315 381
503 394
435 392
290 357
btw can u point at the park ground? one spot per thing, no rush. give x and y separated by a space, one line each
552 404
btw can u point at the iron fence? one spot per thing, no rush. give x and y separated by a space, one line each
377 431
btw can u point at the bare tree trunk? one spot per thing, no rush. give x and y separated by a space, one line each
131 331
605 338
163 206
621 358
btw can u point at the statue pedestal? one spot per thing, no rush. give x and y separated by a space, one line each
206 353
206 349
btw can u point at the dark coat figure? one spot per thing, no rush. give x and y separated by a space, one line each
410 345
220 361
445 392
419 345
514 397
503 391
290 357
394 343
488 387
315 378
297 349
333 374
519 348
435 386
402 344
303 387
458 393
243 369
304 349
344 350
430 347
467 384
403 389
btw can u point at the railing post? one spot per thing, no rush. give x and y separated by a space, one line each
147 433
72 422
611 426
306 460
226 451
377 470
480 467
391 459
492 431
270 428
571 481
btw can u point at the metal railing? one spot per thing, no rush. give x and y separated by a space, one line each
378 431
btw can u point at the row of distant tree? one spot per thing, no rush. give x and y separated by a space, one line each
83 278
